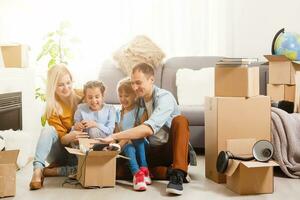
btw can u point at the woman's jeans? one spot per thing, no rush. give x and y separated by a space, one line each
51 150
137 154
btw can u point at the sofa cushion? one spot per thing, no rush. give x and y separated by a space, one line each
110 75
195 114
173 64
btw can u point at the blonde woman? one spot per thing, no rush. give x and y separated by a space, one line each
60 107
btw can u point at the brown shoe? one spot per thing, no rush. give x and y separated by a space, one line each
50 172
35 185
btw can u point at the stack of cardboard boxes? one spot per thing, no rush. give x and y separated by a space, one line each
282 72
235 117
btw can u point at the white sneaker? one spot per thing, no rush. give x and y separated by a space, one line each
139 183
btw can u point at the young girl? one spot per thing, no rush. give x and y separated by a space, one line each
94 116
127 117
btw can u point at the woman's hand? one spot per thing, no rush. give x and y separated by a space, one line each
89 123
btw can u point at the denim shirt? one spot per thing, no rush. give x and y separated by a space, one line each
165 108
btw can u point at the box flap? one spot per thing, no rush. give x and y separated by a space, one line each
255 164
9 157
232 166
92 153
276 58
240 146
88 142
297 62
74 151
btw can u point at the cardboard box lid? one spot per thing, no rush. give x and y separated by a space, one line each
279 58
9 156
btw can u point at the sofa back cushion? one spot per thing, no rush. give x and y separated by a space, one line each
110 75
173 64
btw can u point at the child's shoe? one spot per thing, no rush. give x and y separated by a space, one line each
147 177
139 183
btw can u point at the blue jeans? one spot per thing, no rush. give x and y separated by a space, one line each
137 154
51 150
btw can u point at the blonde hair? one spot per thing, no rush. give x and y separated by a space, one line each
52 104
94 84
125 85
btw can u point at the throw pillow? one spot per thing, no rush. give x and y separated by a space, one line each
194 85
140 50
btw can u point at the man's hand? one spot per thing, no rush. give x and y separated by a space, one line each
89 123
78 126
106 140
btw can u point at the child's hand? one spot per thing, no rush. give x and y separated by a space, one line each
78 126
89 123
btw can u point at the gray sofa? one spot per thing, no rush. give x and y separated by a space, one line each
165 77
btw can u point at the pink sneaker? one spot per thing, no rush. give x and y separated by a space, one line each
139 183
146 172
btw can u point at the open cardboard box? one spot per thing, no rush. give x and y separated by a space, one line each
248 177
8 169
96 168
281 69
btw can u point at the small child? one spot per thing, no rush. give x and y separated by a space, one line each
94 116
127 117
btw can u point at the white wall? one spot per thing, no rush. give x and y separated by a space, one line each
256 22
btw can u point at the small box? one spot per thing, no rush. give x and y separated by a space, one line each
233 81
14 55
281 92
281 69
248 177
8 168
233 118
96 168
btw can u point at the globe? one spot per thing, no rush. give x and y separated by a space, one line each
287 44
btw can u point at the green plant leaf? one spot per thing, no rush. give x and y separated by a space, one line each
51 34
51 63
43 120
53 51
45 49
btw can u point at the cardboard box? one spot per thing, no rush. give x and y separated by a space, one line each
282 70
97 168
281 92
233 81
248 177
14 55
233 118
8 168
